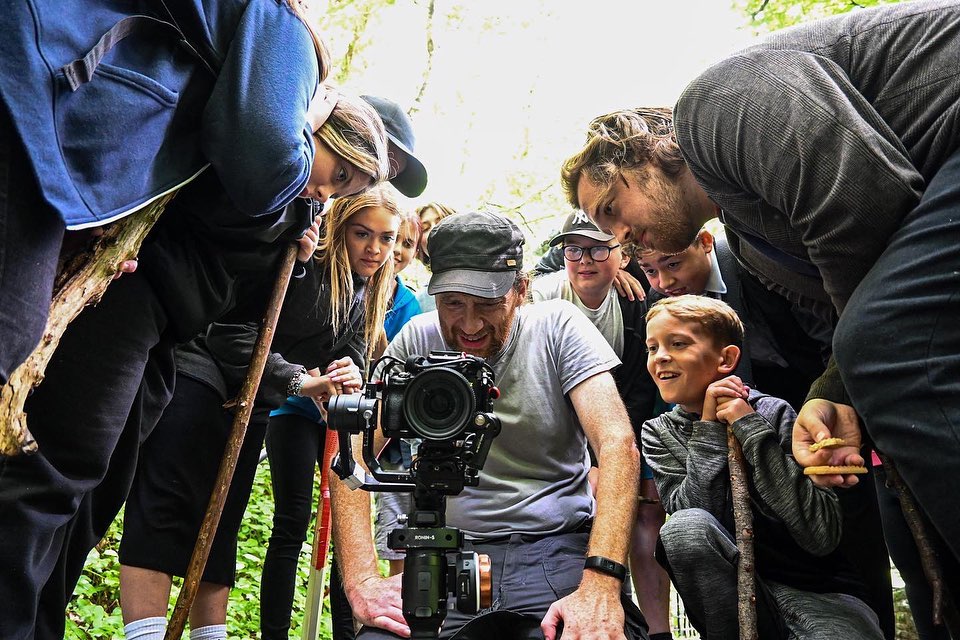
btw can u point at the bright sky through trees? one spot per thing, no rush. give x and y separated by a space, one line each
514 82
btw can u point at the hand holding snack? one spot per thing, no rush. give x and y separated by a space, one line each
820 420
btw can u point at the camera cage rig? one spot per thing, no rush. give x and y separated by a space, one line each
446 400
457 451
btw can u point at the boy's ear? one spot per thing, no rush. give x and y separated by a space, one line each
729 357
705 238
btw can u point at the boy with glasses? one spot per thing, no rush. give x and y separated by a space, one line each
592 260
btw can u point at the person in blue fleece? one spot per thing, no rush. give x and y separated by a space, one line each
83 148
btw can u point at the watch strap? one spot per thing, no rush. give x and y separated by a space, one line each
607 566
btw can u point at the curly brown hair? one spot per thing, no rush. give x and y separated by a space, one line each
630 140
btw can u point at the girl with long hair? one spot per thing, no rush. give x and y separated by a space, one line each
332 312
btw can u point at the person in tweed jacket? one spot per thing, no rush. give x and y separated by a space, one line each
830 152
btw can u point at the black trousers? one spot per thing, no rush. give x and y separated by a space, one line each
104 387
175 477
30 237
898 349
295 447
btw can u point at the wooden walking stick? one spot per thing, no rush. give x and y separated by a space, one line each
81 280
944 606
248 394
321 544
743 521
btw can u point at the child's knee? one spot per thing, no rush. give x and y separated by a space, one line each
682 531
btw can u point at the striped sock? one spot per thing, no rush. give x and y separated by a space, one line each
209 632
145 629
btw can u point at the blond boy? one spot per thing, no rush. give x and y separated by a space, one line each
805 589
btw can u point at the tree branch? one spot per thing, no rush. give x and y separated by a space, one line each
743 521
763 5
944 607
346 62
83 278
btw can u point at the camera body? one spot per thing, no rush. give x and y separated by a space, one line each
444 399
439 397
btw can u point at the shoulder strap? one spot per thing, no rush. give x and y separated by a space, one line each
81 70
191 29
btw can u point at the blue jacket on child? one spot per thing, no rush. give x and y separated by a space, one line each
152 115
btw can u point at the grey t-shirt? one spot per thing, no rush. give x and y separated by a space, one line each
535 477
608 317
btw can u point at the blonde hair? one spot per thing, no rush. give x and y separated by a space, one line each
630 140
442 212
412 220
716 318
332 254
355 132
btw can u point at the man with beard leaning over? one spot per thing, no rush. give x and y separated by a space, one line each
831 153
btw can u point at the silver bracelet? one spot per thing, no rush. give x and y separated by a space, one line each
295 386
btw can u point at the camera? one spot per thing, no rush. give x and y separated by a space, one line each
436 397
446 401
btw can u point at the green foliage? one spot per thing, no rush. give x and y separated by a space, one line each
770 15
95 609
905 629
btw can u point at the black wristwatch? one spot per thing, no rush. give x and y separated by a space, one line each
607 566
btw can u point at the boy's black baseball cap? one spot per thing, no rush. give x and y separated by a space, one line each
578 224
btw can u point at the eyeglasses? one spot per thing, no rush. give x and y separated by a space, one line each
599 253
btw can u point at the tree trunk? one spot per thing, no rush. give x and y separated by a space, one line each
82 280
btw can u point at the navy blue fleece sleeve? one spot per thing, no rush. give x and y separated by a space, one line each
255 130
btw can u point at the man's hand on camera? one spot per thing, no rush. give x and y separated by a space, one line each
376 603
592 611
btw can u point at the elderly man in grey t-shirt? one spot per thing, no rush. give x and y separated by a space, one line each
558 554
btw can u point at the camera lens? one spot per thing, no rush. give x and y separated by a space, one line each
438 403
